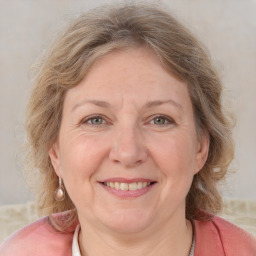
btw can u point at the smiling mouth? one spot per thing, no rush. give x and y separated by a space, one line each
123 186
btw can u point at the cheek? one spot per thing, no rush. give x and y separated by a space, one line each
176 159
79 152
80 159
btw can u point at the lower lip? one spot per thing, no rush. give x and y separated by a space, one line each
128 193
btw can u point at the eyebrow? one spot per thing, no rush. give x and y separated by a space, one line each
161 102
150 104
100 103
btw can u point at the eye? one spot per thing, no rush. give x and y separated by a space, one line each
94 120
161 120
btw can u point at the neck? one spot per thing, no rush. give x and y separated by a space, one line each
172 238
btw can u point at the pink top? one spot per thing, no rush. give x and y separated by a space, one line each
213 238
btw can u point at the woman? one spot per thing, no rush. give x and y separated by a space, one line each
126 128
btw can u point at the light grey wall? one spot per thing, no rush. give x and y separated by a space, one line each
227 27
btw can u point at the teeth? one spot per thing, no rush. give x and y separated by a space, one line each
117 185
140 185
127 186
133 186
124 186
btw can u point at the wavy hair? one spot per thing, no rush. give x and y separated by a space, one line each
103 30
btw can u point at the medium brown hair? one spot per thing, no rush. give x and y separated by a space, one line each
98 32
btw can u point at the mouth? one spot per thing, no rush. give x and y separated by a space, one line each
128 188
124 186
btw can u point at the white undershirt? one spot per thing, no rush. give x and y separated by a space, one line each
75 246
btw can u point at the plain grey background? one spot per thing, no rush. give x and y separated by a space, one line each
227 28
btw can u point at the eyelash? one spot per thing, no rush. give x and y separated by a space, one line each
90 118
167 120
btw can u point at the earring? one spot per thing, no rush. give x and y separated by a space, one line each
59 194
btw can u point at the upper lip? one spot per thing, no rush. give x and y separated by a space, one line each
126 180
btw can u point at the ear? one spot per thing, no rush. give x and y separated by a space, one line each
203 144
55 158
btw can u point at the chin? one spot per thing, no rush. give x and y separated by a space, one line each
129 221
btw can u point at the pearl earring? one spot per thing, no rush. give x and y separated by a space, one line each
59 194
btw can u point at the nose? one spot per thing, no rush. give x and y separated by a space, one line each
128 147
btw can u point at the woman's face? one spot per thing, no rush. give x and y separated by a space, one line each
127 148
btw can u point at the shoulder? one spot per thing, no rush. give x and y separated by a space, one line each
38 238
234 239
219 235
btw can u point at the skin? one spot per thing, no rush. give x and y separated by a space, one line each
131 138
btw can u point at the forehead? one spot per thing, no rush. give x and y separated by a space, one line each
133 73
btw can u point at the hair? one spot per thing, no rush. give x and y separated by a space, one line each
97 33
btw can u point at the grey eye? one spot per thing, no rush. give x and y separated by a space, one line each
160 120
96 120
